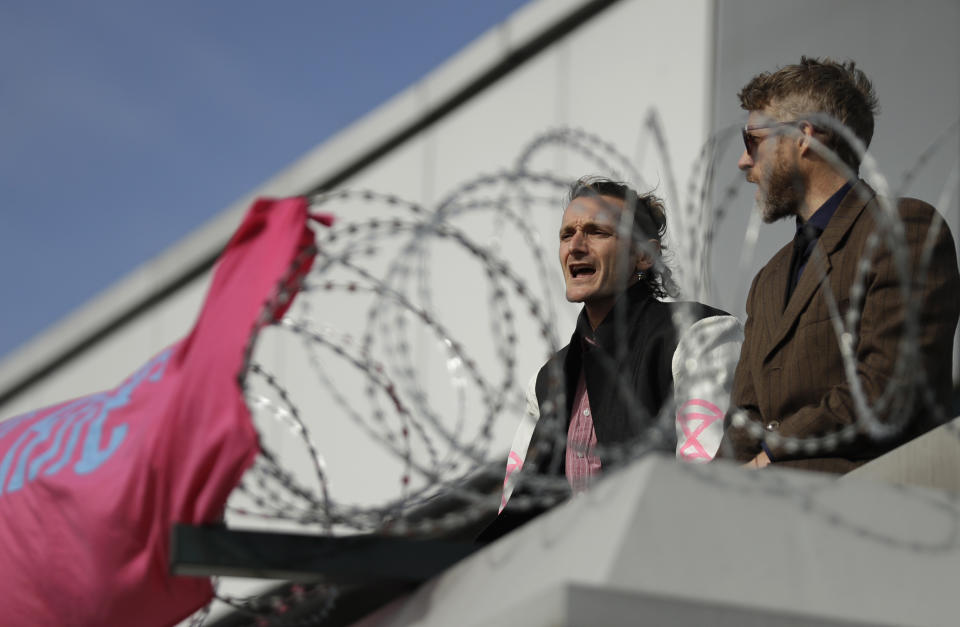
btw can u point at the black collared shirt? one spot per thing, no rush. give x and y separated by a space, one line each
809 232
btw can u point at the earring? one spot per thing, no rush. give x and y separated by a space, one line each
641 275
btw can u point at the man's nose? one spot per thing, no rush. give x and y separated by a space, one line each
746 161
578 240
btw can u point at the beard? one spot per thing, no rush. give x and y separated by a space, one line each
783 195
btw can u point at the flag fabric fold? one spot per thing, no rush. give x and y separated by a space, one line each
90 488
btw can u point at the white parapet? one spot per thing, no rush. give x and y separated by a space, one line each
662 543
932 460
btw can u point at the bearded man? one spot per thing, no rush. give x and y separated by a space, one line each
849 333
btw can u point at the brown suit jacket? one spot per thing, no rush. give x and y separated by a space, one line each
790 379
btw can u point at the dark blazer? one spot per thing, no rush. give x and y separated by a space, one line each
791 379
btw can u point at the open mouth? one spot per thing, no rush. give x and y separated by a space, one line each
582 271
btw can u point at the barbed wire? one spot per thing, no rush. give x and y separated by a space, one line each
377 265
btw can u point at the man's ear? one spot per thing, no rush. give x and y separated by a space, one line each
805 137
647 255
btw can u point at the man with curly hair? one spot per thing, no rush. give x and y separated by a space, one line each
639 373
849 330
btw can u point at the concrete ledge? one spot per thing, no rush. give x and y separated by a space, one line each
586 606
932 461
667 543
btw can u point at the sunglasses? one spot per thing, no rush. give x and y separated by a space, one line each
751 141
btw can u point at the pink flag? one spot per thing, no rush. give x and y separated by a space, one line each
90 488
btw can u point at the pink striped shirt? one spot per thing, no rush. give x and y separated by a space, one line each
581 463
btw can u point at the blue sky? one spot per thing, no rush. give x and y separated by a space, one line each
125 125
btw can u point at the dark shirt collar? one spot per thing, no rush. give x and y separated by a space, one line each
636 293
821 217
